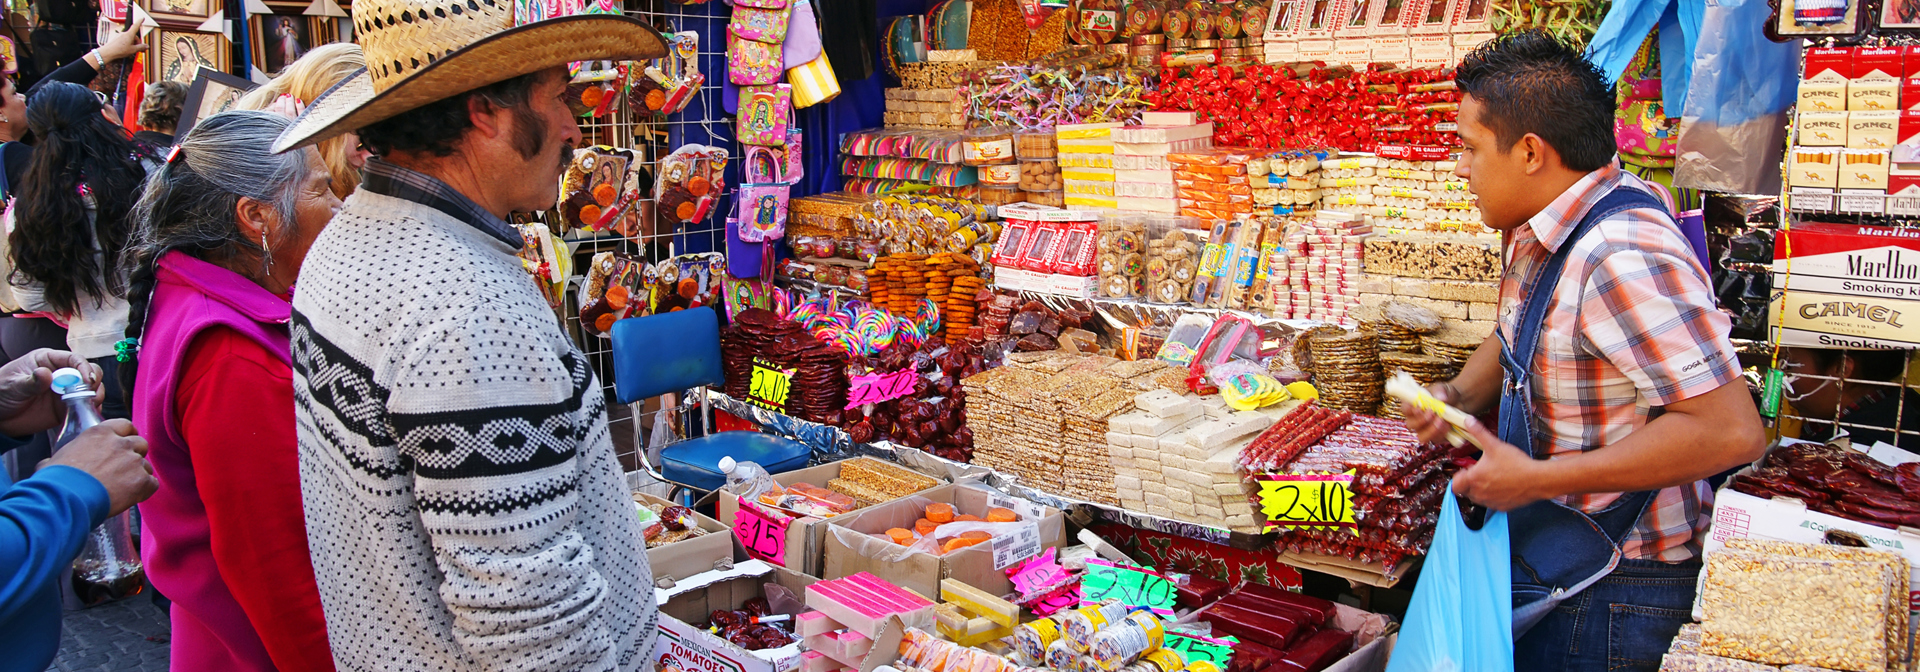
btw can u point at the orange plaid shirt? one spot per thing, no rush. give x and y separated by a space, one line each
1633 326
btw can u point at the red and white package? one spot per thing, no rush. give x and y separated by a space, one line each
1038 253
1075 253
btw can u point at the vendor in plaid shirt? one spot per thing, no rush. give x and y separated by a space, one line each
1634 385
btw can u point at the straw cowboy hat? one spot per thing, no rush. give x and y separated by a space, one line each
420 51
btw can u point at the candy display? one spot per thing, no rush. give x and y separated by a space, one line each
669 524
760 348
1306 106
1766 604
1046 418
753 627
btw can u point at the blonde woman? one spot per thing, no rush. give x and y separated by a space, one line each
300 83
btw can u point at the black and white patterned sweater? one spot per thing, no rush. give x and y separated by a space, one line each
463 502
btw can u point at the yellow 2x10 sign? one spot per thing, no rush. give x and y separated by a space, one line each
1308 501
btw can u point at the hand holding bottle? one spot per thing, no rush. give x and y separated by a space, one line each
115 455
28 403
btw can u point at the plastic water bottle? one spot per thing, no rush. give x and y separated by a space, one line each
746 479
108 568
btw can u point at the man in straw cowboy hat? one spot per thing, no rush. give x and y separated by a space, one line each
463 502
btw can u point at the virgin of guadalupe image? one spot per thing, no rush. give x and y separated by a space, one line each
186 61
764 209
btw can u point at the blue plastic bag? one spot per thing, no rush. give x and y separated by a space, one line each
1461 618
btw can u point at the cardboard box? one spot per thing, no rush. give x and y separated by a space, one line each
1814 167
857 542
1853 286
717 542
1737 515
806 535
682 646
1873 130
1822 129
1863 169
1822 96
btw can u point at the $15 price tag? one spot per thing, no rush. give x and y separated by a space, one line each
764 534
1195 647
1311 501
1133 586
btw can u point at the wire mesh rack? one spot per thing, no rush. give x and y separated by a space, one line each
705 121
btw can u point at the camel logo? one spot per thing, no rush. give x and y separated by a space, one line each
1854 309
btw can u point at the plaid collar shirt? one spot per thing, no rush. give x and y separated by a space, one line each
1632 326
387 179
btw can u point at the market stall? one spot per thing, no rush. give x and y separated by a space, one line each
1097 320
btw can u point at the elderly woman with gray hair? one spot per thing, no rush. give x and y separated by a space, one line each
222 230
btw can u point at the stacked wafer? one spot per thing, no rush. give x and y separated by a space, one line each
1453 344
1425 369
1346 370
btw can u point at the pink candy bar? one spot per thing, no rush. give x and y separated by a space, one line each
816 623
862 602
814 661
847 647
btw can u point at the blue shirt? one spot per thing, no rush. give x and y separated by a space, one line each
44 520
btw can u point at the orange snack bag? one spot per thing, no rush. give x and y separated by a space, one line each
1001 515
924 526
940 513
900 535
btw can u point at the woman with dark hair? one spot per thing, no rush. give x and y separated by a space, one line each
70 224
1858 389
223 229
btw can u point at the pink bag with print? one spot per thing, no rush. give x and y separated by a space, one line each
751 63
760 25
763 198
765 114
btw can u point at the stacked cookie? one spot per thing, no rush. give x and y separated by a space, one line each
1122 261
1346 370
1173 261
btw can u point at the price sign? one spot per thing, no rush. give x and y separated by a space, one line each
1196 647
1011 548
769 386
1067 596
763 533
1133 586
1310 501
876 388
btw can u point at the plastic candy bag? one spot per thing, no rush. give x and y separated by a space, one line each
1461 617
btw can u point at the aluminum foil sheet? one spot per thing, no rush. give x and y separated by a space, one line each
831 444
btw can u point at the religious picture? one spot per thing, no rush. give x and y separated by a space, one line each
211 93
287 41
1900 14
183 54
176 12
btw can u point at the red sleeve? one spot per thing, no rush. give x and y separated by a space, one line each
235 406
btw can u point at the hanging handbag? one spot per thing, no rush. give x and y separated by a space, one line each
763 198
765 114
813 82
803 36
795 167
751 63
760 24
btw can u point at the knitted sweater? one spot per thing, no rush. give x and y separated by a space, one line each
463 502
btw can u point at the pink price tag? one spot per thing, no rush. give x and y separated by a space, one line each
763 534
876 388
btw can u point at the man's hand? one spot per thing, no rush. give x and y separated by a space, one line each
27 401
1427 424
1505 478
112 453
121 44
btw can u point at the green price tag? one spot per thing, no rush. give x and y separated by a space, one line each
1195 647
1770 395
1311 501
1133 586
769 386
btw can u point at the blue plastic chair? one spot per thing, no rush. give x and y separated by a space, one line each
675 352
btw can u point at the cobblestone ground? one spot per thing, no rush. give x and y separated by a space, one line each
131 634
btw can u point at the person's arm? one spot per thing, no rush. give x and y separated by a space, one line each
1475 390
43 522
235 410
121 44
484 408
1648 315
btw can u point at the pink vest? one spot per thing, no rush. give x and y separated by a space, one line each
210 631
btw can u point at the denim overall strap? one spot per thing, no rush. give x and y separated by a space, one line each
1557 550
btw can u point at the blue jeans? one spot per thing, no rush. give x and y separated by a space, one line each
1622 623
